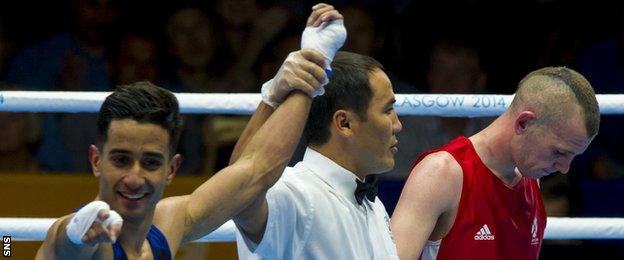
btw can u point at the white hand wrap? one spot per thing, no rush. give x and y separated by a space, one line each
84 218
113 219
266 94
326 39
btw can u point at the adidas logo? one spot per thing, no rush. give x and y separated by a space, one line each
484 234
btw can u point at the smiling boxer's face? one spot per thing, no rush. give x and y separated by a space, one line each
133 167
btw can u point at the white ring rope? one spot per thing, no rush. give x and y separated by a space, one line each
584 228
245 104
35 229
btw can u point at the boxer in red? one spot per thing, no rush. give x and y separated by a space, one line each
478 197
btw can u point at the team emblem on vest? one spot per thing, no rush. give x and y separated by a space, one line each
484 234
534 239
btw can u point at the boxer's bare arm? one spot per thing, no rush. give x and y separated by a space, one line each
252 220
262 113
58 246
56 243
322 13
432 189
261 162
192 216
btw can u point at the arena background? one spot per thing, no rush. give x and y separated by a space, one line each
233 46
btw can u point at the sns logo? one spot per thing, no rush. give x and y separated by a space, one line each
484 234
6 246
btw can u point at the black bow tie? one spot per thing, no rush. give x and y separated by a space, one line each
366 189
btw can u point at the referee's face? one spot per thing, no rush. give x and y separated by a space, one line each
375 142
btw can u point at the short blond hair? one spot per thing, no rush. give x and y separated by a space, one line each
553 92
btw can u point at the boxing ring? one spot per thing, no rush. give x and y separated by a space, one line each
35 229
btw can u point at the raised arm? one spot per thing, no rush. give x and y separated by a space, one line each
432 189
252 220
262 113
258 164
283 83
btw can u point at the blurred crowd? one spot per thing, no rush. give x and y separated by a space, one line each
233 46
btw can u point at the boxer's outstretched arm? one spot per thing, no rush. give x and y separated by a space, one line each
261 161
233 188
252 220
262 113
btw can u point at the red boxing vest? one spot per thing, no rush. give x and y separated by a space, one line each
493 221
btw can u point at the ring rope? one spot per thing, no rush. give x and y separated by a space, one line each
35 229
245 104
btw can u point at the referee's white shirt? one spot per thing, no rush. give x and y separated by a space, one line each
313 214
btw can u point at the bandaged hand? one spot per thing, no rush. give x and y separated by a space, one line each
93 224
302 70
325 34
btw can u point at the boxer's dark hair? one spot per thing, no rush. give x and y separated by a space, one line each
143 102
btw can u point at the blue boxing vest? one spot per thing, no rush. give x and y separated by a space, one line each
157 241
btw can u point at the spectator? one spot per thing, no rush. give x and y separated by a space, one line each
20 134
69 61
454 68
136 59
